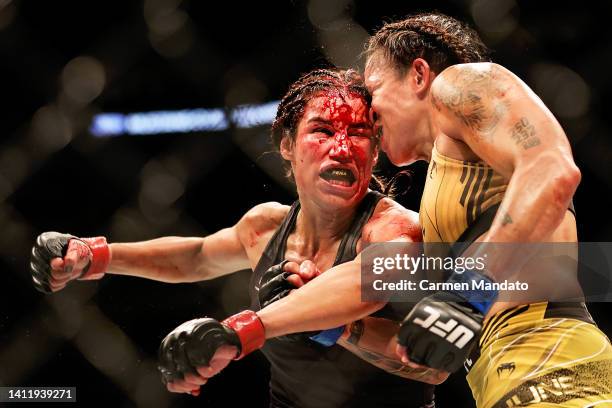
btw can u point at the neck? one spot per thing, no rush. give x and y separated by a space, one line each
430 133
425 131
318 228
424 149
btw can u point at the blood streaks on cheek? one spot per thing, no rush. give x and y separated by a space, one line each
360 154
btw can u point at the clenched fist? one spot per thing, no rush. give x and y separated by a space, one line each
57 259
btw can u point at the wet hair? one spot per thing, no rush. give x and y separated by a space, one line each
291 107
439 39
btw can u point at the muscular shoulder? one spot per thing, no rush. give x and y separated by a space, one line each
471 97
264 216
468 75
391 221
257 226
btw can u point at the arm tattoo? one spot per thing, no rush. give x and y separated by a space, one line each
472 96
395 367
524 134
506 220
381 361
356 331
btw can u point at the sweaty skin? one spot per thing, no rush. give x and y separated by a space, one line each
471 111
335 132
482 111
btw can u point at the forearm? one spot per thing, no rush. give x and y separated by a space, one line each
373 340
332 299
533 207
168 259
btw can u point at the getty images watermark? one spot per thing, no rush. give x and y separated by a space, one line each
404 263
407 272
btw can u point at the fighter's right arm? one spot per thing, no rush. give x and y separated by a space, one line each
180 259
59 258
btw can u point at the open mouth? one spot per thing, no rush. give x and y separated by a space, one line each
338 176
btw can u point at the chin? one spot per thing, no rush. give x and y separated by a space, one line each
398 157
339 197
399 161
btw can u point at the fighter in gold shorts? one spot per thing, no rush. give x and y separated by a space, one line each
501 171
546 353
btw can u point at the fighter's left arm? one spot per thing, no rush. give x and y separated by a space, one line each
334 298
373 339
497 116
504 122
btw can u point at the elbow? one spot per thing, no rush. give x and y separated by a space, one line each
575 176
559 175
437 380
567 183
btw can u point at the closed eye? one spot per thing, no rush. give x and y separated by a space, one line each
326 131
361 133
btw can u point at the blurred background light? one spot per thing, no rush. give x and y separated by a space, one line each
562 89
182 121
83 79
495 19
248 116
7 13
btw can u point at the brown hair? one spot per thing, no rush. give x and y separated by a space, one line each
291 108
439 39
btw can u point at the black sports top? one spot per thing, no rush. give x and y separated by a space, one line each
306 374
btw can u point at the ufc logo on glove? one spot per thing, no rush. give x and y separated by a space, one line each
459 334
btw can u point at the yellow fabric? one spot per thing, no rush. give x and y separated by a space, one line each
527 360
456 193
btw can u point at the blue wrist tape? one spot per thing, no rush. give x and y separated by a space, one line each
479 294
328 337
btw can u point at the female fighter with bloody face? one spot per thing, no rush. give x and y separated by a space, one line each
324 132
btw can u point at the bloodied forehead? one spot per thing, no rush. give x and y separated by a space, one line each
339 107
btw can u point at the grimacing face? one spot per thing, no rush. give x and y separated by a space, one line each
334 150
397 111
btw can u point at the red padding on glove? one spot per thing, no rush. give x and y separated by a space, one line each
249 329
100 259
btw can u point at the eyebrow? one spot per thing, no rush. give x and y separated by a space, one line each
319 119
359 125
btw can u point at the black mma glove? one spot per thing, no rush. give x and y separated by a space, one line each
274 286
51 245
193 343
440 331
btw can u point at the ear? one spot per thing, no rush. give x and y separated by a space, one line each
286 148
420 76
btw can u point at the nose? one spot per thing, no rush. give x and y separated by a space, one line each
341 150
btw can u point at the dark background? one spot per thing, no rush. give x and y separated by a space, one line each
62 62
